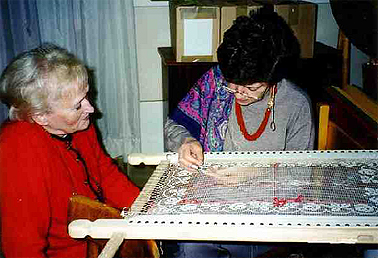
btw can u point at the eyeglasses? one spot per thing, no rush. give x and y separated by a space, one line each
259 97
234 91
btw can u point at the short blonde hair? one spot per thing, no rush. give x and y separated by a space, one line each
39 77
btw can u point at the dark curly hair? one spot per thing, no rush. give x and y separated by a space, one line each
258 48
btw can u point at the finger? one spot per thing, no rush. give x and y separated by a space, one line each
196 156
200 158
188 166
193 161
189 157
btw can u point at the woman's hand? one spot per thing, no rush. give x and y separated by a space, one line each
233 176
190 154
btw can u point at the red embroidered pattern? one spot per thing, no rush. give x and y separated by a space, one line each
281 202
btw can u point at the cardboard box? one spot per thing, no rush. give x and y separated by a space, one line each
197 30
194 32
300 15
230 12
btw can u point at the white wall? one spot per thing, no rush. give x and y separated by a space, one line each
152 31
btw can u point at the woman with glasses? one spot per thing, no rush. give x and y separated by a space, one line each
244 103
49 152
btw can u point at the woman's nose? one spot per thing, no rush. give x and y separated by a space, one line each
242 90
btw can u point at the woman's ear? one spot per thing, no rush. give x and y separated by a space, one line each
40 119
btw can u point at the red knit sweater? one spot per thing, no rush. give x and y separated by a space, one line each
38 175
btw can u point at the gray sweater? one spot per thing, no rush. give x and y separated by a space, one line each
292 116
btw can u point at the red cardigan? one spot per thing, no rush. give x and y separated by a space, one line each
38 175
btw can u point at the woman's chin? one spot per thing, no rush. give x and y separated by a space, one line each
244 102
84 125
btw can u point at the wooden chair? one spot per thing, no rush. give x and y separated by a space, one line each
322 128
343 44
82 207
343 132
349 118
330 136
326 129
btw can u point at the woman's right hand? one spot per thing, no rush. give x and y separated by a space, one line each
190 154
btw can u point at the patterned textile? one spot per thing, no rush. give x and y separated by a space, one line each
326 187
204 111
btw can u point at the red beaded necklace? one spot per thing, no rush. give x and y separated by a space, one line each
261 129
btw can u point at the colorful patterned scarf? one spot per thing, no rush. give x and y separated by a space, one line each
204 111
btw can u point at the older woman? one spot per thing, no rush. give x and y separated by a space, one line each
49 151
245 103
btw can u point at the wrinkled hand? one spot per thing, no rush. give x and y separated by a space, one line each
190 154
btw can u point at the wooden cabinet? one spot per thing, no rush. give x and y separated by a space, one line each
179 77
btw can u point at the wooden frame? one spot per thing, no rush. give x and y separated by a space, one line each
239 227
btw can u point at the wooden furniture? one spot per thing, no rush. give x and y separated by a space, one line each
343 44
347 120
322 125
179 77
81 207
284 197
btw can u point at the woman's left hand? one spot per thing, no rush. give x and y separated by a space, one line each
233 176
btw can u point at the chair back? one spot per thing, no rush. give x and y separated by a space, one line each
81 207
